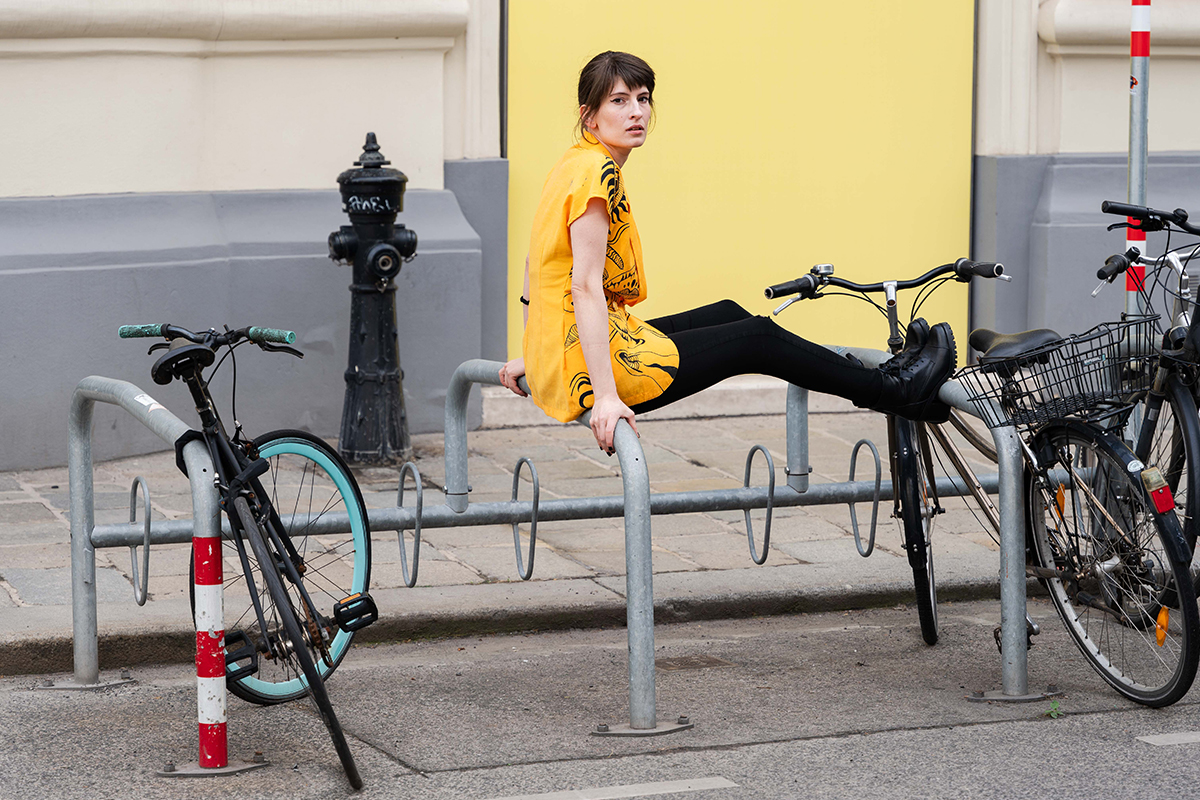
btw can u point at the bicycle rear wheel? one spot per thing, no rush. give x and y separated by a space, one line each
1116 570
917 509
289 642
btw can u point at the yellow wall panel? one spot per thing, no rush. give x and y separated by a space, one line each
788 133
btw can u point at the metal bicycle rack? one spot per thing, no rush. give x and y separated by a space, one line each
636 505
874 499
203 530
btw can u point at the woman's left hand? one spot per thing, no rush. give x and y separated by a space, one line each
509 374
606 412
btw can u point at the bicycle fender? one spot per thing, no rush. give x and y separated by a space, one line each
1168 521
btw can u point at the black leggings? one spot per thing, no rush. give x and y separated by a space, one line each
721 340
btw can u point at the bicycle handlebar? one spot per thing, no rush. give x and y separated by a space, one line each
254 334
1155 218
964 269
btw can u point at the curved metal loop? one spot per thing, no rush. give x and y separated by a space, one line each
410 580
141 578
522 570
874 500
770 504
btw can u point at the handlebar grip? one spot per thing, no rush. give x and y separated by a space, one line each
1124 209
965 268
781 289
271 335
140 331
1113 265
802 284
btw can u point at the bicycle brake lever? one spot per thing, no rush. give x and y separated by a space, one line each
786 303
280 348
158 346
1101 286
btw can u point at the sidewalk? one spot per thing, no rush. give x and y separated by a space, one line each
468 580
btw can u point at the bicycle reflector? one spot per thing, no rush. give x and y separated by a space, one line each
1160 492
1160 626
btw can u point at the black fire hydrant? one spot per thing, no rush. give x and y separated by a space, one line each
374 422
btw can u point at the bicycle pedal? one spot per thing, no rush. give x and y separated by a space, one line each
237 648
355 612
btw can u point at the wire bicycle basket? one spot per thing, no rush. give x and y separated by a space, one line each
1091 375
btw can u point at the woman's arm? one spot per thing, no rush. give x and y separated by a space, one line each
589 242
516 368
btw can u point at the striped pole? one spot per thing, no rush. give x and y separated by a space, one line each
210 651
1139 95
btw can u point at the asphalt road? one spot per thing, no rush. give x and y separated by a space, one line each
846 704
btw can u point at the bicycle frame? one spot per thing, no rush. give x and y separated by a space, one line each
237 472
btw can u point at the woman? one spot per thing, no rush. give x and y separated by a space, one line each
583 349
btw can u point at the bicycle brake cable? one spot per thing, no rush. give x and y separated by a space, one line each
926 292
856 296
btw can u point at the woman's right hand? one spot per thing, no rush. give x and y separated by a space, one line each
605 413
509 374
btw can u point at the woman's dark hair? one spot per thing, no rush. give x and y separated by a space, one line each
598 77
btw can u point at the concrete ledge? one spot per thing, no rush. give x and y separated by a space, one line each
744 395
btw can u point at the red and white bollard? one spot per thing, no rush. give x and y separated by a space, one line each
210 652
208 591
1139 94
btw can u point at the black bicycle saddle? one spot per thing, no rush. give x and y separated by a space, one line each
993 346
178 357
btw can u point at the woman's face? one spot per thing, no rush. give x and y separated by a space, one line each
621 120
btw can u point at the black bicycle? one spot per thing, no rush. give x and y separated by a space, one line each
915 501
301 594
1167 426
1104 536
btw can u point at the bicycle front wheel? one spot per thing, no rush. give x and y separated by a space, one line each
1116 570
288 643
1171 442
307 481
917 509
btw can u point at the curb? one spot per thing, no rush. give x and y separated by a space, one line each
54 654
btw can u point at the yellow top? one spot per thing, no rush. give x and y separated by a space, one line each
644 360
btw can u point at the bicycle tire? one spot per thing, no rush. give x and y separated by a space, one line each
338 565
295 651
1116 570
916 516
1174 447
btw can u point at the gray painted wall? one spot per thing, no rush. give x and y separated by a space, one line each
72 269
1040 215
481 186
